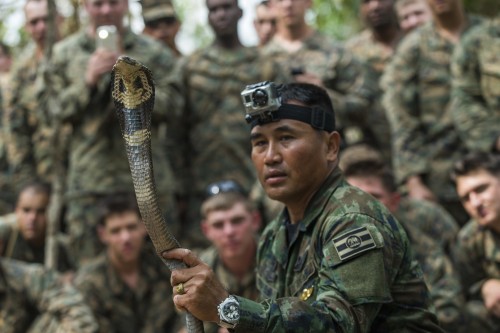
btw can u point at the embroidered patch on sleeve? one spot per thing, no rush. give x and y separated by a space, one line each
353 242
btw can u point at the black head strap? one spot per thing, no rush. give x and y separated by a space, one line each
314 116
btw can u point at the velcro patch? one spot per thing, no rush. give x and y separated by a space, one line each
353 242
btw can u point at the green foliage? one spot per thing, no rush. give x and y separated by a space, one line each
201 32
487 8
337 18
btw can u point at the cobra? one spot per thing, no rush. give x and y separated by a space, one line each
133 93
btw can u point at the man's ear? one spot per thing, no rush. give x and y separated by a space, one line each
333 146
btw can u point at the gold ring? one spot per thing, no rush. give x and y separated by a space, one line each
180 289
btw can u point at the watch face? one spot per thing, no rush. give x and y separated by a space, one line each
230 312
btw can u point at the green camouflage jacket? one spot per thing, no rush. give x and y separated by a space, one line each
375 57
476 86
28 290
417 84
97 158
431 219
15 247
28 122
118 308
348 267
477 259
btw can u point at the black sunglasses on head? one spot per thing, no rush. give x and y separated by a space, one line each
224 186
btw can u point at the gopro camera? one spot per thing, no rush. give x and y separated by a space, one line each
260 100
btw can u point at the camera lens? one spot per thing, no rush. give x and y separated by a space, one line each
260 97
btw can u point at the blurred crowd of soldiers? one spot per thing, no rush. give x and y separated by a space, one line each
416 92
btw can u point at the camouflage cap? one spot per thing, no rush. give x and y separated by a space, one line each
157 9
360 153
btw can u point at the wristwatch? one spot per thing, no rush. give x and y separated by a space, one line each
229 312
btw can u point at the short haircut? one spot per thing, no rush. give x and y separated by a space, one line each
372 168
37 186
477 161
308 94
117 203
225 201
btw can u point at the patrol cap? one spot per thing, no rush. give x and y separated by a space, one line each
360 154
157 9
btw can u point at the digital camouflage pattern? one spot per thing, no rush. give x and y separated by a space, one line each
245 288
440 275
28 292
431 219
7 194
375 56
343 76
97 160
477 258
476 86
212 139
117 307
28 123
348 267
15 247
417 84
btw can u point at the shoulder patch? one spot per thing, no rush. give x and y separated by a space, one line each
353 243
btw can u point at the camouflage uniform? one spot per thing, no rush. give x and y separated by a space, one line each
28 290
431 219
476 86
98 164
477 258
375 56
440 275
417 84
118 308
16 247
7 195
246 288
28 124
342 75
348 267
212 139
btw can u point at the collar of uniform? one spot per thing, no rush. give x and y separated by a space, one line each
314 209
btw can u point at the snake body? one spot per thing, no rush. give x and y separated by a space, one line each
133 93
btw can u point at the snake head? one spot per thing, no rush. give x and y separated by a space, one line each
132 83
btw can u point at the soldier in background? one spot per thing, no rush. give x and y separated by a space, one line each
127 285
24 231
477 178
312 57
34 299
161 22
28 123
230 221
81 97
417 85
264 22
374 47
475 97
5 65
430 229
212 138
412 14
